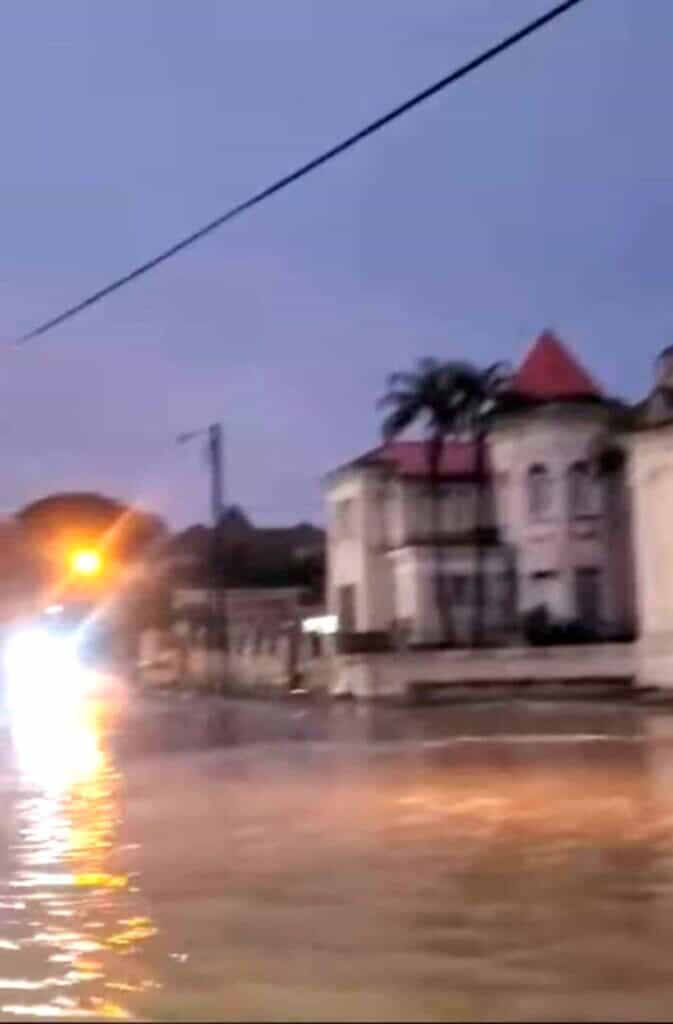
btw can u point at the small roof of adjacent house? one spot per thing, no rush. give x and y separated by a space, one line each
551 372
409 459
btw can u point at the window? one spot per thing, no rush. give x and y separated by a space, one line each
343 518
588 595
346 606
539 492
581 490
458 588
316 644
505 597
543 589
448 512
386 515
462 508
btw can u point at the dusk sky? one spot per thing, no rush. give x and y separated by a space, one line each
535 193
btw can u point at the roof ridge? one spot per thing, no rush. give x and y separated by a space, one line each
551 370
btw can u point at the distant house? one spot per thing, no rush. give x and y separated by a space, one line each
254 617
22 573
247 555
556 534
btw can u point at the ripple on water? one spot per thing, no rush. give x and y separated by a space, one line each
457 865
64 866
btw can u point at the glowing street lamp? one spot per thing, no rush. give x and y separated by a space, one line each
86 562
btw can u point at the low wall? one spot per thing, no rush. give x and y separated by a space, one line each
399 673
165 662
258 670
655 660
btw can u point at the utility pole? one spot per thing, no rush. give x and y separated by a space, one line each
218 580
215 456
216 574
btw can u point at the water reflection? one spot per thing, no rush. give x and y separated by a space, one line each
72 930
484 862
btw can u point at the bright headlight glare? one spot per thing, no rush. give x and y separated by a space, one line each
36 650
42 669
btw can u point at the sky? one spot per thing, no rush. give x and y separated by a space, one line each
537 192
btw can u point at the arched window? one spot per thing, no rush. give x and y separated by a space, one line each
581 490
539 491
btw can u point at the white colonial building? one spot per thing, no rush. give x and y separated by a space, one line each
552 532
649 449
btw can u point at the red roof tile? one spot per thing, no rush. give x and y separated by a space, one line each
550 371
410 458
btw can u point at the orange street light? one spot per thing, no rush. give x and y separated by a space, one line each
86 562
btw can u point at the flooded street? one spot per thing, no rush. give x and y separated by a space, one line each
202 859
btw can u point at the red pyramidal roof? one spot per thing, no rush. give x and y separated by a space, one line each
550 371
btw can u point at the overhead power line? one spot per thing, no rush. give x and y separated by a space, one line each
300 172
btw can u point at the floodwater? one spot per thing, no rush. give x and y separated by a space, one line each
204 860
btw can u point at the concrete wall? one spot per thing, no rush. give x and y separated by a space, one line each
620 543
166 659
651 474
258 670
170 659
392 675
358 557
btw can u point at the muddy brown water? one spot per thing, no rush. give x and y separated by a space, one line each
204 860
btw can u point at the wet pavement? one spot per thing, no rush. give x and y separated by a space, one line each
198 859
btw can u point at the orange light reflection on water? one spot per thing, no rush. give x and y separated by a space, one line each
78 916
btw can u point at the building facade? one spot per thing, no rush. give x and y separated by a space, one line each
543 529
648 448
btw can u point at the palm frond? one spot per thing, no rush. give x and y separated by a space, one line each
404 379
462 369
452 396
399 419
497 376
428 365
396 397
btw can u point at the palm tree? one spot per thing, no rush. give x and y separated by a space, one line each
477 395
450 398
424 394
